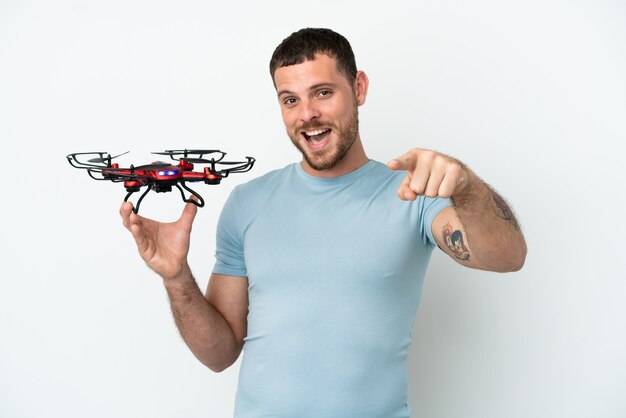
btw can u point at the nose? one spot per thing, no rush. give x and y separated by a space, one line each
309 111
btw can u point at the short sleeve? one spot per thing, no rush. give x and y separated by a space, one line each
431 207
229 256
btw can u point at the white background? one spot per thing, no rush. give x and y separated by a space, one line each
531 95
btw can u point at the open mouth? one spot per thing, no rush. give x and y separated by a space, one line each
316 136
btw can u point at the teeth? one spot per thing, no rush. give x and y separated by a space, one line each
313 133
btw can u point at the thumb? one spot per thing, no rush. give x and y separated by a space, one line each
189 214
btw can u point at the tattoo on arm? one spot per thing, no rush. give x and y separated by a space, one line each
502 210
455 242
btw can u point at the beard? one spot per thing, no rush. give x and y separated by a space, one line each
325 159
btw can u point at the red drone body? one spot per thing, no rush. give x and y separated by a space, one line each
161 176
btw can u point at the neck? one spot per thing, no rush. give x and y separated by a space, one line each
354 159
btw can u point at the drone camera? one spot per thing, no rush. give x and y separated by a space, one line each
161 188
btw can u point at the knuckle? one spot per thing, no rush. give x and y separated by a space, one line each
431 191
429 154
418 191
455 169
445 193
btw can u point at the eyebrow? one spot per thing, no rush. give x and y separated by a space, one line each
313 87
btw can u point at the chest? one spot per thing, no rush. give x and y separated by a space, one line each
364 238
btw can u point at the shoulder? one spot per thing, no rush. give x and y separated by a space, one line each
379 176
381 170
260 188
266 180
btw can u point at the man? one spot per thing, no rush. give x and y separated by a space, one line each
319 265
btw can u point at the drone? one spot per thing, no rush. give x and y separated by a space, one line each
162 176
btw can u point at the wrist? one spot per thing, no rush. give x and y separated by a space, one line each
469 191
181 288
182 275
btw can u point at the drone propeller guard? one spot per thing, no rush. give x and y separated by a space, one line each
161 176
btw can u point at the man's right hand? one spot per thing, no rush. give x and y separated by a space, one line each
163 246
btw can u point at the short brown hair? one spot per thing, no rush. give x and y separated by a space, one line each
302 46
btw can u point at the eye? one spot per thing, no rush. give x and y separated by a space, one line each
324 93
290 101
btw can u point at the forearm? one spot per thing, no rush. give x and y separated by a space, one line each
493 233
204 330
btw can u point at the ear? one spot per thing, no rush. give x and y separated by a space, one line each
360 87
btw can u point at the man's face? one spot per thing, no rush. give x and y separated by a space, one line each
319 109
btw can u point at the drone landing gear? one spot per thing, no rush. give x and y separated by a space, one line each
199 201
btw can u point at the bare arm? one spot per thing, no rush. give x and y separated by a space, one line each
479 230
213 326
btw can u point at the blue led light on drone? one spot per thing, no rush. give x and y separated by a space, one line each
168 173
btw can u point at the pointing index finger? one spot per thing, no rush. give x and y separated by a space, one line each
404 162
